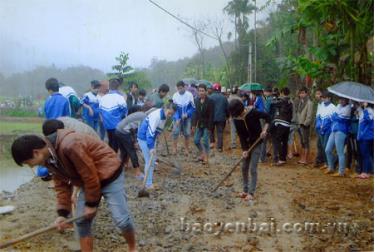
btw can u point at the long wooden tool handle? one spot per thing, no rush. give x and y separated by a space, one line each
35 233
147 171
236 164
166 144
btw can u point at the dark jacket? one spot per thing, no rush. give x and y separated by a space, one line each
80 160
249 128
204 113
131 103
220 107
283 110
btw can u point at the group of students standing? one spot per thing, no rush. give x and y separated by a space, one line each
346 128
77 157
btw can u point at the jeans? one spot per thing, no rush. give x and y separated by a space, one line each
184 127
112 141
219 126
126 146
251 162
101 130
367 155
233 133
323 140
336 139
146 155
115 199
202 133
263 151
320 155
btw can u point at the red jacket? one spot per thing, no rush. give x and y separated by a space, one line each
80 160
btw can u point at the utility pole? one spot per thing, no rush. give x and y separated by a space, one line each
250 66
255 42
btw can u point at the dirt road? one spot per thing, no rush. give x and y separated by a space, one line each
287 197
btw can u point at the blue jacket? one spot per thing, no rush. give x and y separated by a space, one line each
151 127
90 99
185 105
113 109
220 107
259 103
267 105
366 124
318 118
56 105
341 119
325 118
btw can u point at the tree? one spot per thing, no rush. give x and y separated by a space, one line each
240 9
122 68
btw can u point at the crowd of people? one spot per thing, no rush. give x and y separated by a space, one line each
266 122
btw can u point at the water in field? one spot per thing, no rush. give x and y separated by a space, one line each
12 176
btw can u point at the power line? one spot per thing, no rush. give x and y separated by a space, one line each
182 21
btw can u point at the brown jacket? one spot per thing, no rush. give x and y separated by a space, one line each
80 160
305 112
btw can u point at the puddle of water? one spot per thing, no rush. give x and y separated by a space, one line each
13 176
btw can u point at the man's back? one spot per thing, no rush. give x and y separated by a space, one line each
220 107
78 126
113 109
56 105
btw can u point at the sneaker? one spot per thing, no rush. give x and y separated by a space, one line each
338 175
328 172
323 167
280 163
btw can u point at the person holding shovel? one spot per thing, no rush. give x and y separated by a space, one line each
150 128
249 130
126 134
77 159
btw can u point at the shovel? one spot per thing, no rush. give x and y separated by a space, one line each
35 233
143 192
166 144
174 164
235 165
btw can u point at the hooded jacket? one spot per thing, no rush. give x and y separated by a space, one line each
366 124
185 105
325 118
151 127
341 119
80 160
113 109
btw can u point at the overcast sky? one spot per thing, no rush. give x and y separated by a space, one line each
93 32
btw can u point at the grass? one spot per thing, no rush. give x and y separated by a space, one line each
9 127
19 113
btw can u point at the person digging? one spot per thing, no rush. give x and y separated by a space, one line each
77 159
248 127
